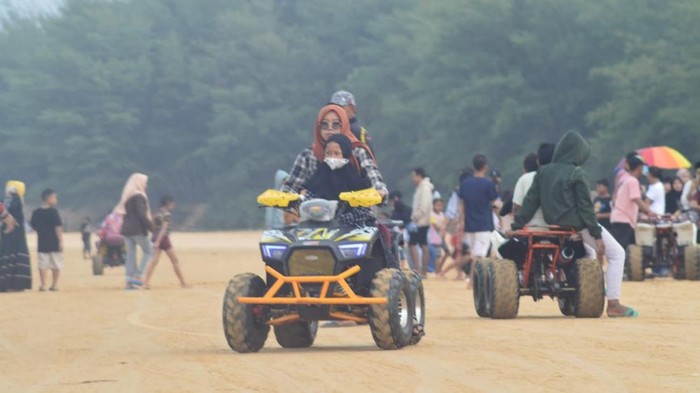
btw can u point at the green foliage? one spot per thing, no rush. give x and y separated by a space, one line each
210 98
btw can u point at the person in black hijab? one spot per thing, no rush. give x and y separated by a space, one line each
339 172
673 196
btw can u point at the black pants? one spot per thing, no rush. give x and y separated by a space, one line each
623 233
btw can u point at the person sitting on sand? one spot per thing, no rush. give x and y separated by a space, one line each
561 188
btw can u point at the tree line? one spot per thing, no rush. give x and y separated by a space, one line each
210 98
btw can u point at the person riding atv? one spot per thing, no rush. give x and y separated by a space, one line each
341 256
562 189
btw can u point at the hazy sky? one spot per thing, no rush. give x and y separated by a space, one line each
28 7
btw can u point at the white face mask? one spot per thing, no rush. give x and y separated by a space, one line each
336 163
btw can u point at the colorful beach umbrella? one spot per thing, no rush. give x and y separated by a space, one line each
663 157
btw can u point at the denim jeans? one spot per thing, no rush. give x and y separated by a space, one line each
133 271
433 254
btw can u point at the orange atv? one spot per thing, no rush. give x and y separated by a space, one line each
322 270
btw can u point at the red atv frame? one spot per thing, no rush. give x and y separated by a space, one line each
540 263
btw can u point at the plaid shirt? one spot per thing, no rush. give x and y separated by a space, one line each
306 163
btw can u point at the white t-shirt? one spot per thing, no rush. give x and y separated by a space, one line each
521 188
657 195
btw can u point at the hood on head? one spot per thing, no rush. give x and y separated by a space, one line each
572 148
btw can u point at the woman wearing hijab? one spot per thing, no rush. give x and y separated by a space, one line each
15 269
673 196
134 207
332 120
339 172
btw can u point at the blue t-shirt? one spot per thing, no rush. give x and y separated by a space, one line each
478 193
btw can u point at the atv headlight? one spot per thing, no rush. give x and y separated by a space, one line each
353 250
274 251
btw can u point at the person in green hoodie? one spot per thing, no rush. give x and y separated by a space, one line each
562 189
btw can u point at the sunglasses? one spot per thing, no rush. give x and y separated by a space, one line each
331 126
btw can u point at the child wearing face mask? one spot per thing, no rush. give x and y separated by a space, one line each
339 172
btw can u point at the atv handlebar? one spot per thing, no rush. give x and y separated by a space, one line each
362 198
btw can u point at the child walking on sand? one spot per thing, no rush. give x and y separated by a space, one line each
49 228
161 242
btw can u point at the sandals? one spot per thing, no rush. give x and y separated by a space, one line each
629 313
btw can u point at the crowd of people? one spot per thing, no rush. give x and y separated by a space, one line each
441 236
130 223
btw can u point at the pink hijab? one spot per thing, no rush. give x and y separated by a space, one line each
136 185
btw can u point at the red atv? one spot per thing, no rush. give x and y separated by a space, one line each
540 263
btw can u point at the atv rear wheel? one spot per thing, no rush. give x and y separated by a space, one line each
297 334
245 325
98 265
635 263
503 290
589 299
415 283
480 287
692 262
391 323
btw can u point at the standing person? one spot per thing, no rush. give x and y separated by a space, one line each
687 180
347 101
602 203
673 196
331 120
86 233
420 216
479 196
655 192
522 186
562 190
161 242
15 269
46 221
134 207
400 212
627 201
436 235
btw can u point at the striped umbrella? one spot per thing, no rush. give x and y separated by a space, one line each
663 157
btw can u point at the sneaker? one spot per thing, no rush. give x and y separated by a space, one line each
135 281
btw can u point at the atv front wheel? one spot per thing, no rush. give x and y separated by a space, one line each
589 298
98 265
297 334
480 287
503 290
692 262
415 284
245 325
635 263
391 323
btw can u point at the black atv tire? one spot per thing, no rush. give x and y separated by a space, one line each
243 330
692 262
415 284
98 265
635 263
566 305
503 290
589 298
480 288
392 323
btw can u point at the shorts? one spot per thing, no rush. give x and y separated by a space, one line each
420 237
479 243
165 243
50 260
